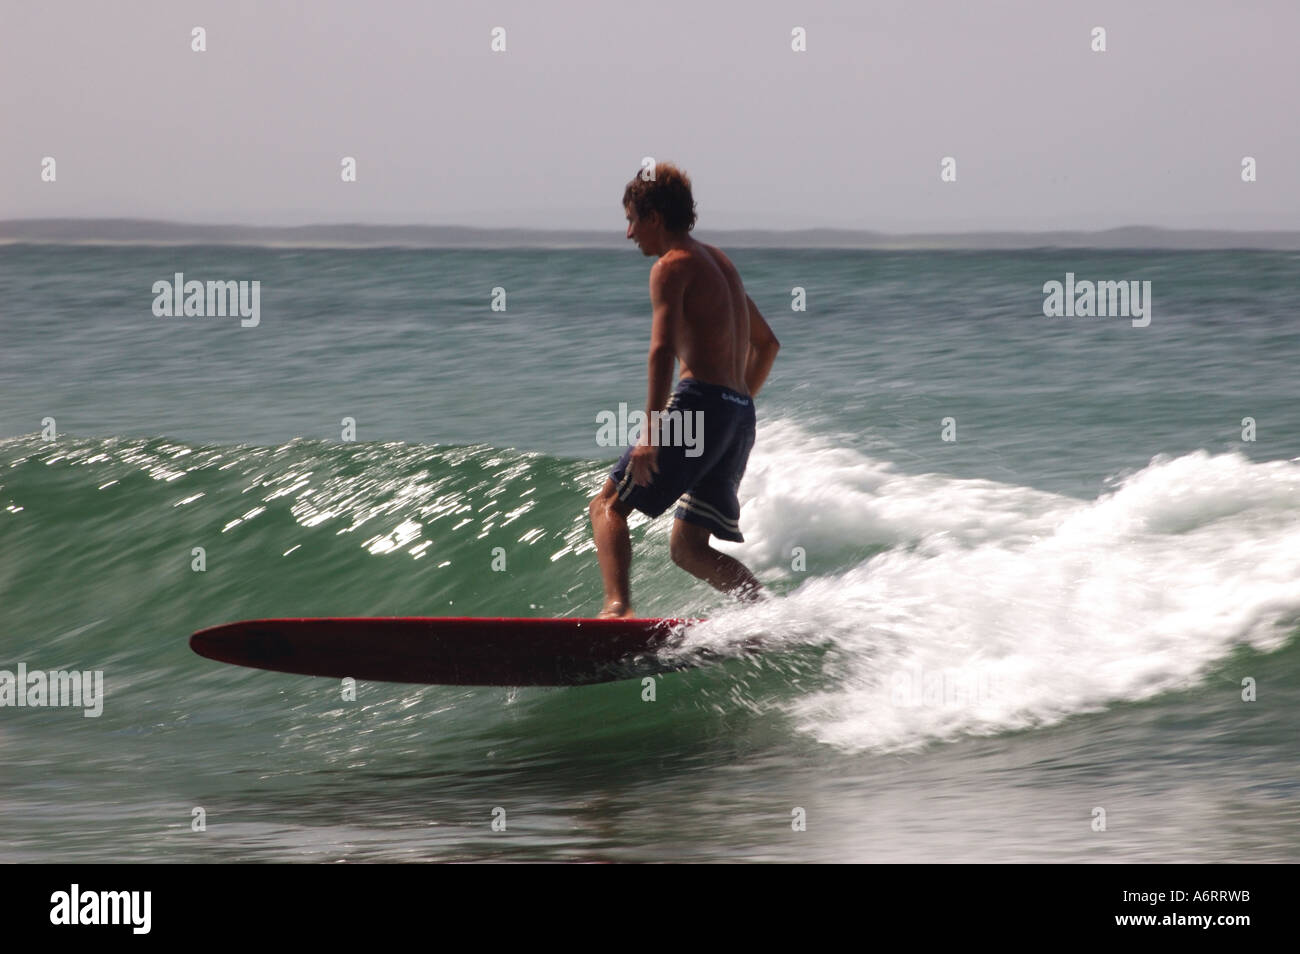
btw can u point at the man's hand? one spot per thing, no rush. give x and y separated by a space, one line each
643 463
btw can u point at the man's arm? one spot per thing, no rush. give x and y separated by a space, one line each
763 347
666 292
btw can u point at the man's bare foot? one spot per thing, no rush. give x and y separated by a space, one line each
615 610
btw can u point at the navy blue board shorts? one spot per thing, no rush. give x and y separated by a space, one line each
700 462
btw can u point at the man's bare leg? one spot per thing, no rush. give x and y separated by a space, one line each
613 549
691 551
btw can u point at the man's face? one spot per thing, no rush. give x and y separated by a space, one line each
642 231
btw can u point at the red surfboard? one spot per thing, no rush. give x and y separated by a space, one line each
454 651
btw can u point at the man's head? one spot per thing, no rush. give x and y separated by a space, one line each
660 209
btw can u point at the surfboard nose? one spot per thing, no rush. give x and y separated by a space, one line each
242 644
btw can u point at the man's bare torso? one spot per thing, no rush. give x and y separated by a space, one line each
711 334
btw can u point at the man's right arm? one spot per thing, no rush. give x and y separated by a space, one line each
763 347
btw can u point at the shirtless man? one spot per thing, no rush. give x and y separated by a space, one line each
704 319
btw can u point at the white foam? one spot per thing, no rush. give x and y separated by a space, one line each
997 606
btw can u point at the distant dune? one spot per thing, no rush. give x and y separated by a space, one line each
151 232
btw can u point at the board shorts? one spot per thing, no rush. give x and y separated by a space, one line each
700 461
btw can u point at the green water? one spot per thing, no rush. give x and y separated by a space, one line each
1087 574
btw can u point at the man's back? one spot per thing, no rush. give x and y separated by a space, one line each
712 337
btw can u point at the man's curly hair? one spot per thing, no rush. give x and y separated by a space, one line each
668 193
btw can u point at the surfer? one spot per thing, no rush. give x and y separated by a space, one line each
703 319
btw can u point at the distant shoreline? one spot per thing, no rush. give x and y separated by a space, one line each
149 232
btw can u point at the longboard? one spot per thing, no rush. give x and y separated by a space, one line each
455 651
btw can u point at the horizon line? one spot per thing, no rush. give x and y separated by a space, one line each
109 231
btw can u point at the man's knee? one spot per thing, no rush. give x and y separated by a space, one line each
687 544
607 502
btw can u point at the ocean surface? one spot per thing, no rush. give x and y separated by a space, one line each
1068 634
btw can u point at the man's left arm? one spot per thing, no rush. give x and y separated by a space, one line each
666 300
666 294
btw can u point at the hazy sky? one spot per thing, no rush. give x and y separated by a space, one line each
1046 133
